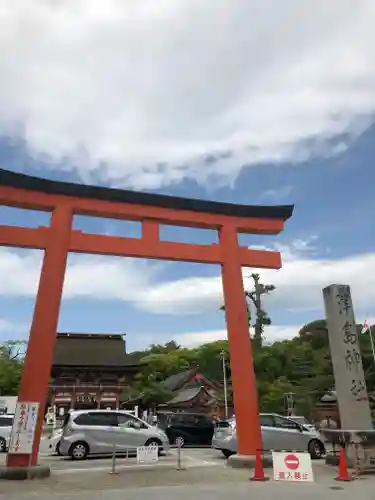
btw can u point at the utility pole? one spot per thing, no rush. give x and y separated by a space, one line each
258 304
223 355
256 298
289 403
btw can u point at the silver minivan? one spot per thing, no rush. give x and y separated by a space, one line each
278 433
90 432
6 423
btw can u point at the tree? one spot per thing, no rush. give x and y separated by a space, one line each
254 298
209 359
11 364
262 317
301 366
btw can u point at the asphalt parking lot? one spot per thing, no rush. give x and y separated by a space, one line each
190 458
204 477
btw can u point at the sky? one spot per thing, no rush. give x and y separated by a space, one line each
248 102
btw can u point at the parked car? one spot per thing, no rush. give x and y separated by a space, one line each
190 428
54 441
304 422
89 432
6 423
278 433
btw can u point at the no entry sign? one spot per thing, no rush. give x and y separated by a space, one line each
291 462
292 466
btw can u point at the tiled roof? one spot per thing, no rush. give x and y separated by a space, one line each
185 395
174 382
77 349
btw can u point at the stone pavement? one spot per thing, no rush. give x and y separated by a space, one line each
201 483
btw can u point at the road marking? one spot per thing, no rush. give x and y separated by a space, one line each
198 460
195 459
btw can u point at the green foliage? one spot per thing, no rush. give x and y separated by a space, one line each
11 363
301 366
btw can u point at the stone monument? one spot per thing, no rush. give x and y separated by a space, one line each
346 357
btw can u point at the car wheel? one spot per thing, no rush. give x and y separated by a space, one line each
179 441
227 453
57 449
79 451
155 442
3 445
316 449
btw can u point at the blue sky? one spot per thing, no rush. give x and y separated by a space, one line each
304 135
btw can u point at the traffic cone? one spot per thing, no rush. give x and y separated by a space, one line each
258 471
343 468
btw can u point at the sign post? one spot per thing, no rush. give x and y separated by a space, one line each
292 467
23 430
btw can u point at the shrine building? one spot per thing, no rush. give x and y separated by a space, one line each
89 371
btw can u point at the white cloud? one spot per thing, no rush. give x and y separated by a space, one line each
87 276
298 284
152 89
10 329
10 326
194 339
271 334
276 194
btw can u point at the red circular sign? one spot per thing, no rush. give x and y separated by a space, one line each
292 462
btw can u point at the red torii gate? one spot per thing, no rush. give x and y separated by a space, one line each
64 200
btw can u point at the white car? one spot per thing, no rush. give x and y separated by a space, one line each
54 442
278 433
90 432
304 422
6 423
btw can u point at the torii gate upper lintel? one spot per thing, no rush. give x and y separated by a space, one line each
64 200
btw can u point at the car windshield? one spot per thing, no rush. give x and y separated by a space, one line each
226 423
6 422
300 420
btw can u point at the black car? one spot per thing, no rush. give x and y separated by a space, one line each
190 428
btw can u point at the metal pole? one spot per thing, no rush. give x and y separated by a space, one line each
372 344
225 385
113 465
179 466
370 334
29 474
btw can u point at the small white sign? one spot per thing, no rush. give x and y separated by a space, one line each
23 430
147 454
289 466
51 415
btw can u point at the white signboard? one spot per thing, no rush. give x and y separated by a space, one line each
292 467
23 430
147 454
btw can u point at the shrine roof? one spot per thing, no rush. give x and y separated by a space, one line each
81 349
176 381
31 183
186 395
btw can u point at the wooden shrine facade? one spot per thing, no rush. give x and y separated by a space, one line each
89 371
